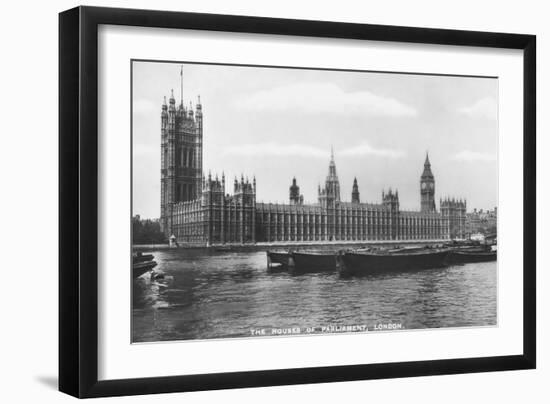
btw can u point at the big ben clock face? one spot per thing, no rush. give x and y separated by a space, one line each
424 185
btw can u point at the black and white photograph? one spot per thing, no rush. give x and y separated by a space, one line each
274 202
270 201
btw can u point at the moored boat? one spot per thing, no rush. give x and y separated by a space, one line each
313 261
140 267
278 258
140 257
385 261
477 255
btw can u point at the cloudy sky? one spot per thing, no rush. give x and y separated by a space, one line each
277 123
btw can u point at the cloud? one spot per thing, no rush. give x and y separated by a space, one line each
318 97
301 150
468 155
483 108
365 149
275 149
142 106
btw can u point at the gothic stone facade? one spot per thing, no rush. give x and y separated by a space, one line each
197 210
181 159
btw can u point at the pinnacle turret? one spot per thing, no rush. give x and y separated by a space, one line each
355 192
330 194
427 173
294 193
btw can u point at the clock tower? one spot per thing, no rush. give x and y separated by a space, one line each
427 188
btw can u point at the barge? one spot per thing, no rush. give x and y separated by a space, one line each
351 263
313 261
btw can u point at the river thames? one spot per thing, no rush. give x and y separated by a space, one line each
206 294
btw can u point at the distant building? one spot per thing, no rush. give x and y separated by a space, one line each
481 221
197 210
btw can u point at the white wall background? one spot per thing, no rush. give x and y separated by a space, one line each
28 167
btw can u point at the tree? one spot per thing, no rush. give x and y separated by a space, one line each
147 231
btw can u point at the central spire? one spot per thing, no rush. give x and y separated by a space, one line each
332 164
332 185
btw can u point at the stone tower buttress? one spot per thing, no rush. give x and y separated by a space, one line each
198 149
163 164
168 180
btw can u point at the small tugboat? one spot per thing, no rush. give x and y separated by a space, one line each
142 263
355 262
313 261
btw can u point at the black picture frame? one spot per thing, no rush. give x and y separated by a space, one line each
78 200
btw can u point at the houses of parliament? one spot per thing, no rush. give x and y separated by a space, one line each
199 210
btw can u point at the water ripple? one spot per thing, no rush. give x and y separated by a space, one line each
219 295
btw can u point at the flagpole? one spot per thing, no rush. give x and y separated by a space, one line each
181 76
